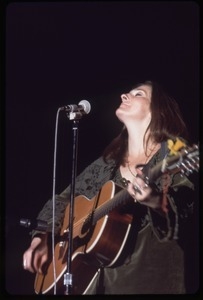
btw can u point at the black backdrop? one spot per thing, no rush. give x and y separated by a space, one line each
59 53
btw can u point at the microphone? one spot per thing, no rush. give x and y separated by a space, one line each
83 107
34 224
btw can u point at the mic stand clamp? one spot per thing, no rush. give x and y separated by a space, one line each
74 115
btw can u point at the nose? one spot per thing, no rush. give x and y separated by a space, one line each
124 97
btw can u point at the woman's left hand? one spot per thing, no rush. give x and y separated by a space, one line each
143 193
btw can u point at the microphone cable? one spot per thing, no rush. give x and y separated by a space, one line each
53 200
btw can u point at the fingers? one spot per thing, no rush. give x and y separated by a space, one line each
38 262
139 191
43 260
33 262
139 188
133 190
27 261
36 255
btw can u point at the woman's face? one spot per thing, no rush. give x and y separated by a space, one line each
135 105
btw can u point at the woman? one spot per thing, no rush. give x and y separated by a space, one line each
154 260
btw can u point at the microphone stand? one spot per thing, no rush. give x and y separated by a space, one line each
68 278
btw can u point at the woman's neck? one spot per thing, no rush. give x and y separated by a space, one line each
140 148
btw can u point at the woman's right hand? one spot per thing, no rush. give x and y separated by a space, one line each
36 255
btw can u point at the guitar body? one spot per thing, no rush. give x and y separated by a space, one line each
102 227
96 243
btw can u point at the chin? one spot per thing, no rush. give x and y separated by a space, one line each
119 114
117 111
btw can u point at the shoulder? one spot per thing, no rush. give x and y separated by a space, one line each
100 162
98 166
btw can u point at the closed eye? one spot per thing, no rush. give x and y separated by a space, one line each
138 93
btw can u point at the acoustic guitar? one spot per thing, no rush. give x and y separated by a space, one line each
101 228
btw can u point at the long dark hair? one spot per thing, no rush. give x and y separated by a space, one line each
166 123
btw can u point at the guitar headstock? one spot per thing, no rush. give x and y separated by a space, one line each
182 159
185 161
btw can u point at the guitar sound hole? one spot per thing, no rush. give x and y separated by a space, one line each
87 226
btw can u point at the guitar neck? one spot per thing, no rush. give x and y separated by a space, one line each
121 198
186 161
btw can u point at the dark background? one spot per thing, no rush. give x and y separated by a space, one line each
58 53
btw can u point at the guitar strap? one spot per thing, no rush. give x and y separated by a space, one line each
164 150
